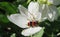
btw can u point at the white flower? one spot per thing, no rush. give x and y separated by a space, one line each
27 19
48 10
58 34
54 2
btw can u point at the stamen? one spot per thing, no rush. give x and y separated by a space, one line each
28 23
32 24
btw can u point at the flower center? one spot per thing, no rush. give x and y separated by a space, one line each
32 23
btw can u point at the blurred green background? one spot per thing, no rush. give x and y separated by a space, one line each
8 29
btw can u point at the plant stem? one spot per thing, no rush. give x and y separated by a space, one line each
28 1
31 36
34 0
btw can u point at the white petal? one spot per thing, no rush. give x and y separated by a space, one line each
39 18
55 2
51 1
23 10
58 34
33 9
41 15
44 12
52 13
19 20
30 31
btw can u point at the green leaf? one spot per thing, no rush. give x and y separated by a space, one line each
8 7
3 18
13 35
58 11
40 33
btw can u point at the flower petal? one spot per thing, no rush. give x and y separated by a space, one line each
58 34
44 12
55 2
33 9
23 10
30 31
39 18
52 13
19 20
